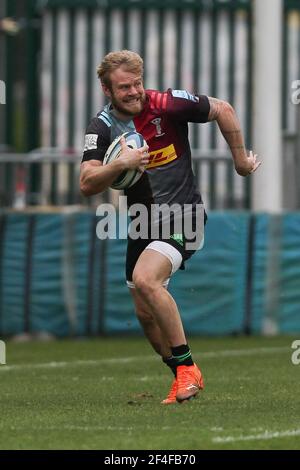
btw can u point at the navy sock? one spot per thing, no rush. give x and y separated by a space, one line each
170 363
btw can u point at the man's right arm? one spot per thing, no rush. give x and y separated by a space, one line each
96 177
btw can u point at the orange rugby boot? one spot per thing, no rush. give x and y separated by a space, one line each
171 398
189 382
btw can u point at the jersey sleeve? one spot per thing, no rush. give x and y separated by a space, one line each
97 140
185 107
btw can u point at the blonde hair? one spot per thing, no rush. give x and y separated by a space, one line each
132 61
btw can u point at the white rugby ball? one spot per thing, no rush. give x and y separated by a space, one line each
129 177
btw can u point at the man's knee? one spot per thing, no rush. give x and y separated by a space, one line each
144 283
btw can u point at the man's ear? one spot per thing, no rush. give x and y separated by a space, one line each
106 90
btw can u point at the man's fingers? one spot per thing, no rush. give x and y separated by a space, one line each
144 149
145 154
141 168
252 155
255 167
124 146
123 143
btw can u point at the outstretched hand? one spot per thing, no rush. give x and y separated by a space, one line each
250 165
252 160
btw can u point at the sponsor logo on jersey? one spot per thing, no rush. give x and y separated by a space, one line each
185 95
157 123
90 142
162 156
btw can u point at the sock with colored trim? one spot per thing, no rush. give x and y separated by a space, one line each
182 355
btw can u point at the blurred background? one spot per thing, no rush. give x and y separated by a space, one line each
56 278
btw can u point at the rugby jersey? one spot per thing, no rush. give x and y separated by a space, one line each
168 177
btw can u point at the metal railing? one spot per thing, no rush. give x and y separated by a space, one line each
47 177
50 177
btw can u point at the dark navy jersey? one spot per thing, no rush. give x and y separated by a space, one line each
168 177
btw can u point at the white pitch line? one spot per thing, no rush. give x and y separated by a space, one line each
216 440
88 428
257 437
125 360
242 352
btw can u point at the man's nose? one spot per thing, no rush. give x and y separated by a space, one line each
133 90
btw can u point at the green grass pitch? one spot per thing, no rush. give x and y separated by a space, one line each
106 393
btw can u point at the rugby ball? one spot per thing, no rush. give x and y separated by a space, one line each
129 177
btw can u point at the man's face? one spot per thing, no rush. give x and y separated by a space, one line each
127 93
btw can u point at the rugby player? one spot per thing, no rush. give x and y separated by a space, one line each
162 118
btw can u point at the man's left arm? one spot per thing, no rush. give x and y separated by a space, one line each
229 125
